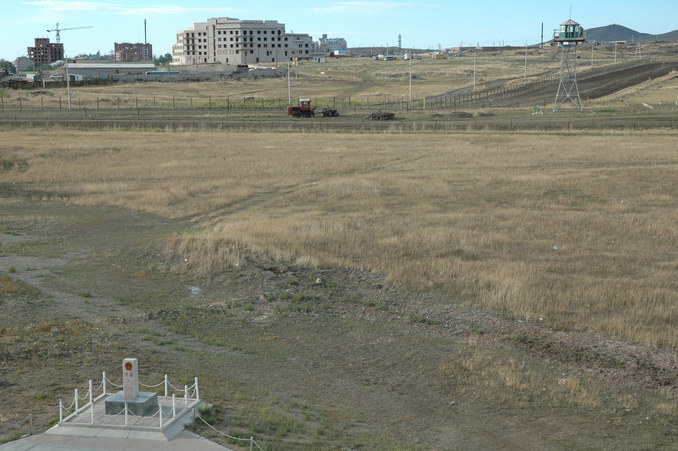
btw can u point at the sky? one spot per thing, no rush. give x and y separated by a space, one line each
431 24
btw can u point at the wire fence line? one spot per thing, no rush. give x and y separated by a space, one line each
45 102
250 440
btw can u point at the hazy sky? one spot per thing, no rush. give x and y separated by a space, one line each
422 24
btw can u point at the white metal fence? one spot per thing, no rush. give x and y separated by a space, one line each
168 406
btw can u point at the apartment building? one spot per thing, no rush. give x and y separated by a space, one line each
133 52
226 40
45 52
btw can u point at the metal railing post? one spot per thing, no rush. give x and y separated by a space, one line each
160 410
77 400
185 395
174 405
125 413
103 381
166 385
197 390
91 403
61 411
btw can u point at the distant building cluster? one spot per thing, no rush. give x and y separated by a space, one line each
125 52
221 40
226 40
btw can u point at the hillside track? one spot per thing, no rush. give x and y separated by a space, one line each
593 86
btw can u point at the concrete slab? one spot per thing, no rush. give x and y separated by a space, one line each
183 441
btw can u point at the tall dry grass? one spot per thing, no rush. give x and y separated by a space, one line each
575 231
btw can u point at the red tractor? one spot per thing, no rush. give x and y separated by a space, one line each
302 110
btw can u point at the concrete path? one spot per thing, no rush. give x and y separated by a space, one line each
185 440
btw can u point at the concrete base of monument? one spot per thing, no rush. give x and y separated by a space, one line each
144 405
170 418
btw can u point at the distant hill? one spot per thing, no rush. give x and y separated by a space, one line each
620 33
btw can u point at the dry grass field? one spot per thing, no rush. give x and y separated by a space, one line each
548 234
375 290
577 232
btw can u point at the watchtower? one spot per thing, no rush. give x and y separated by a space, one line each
568 37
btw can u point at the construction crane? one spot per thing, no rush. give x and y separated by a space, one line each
59 30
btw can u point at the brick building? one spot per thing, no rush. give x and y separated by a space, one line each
133 52
45 52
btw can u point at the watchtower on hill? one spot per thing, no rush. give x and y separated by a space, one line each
568 37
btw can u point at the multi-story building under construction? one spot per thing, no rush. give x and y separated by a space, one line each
232 41
45 52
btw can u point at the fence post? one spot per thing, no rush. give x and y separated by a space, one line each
61 411
30 424
103 381
197 390
42 104
77 400
97 103
251 443
91 403
185 395
160 410
166 385
20 104
174 405
125 413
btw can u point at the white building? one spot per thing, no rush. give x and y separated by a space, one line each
329 45
225 40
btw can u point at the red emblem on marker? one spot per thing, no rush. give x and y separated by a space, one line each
128 366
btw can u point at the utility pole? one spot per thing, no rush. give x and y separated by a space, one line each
542 36
68 77
68 84
525 75
410 80
474 67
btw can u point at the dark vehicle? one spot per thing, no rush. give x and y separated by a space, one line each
381 116
329 112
